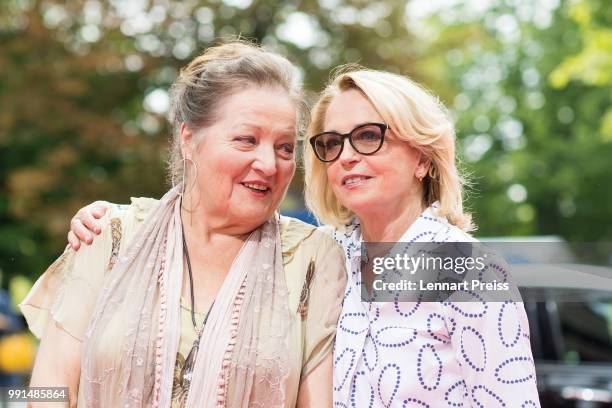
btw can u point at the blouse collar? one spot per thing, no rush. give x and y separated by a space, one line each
423 229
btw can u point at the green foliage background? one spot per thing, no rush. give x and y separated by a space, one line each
529 84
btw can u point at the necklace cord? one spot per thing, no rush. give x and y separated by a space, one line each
186 251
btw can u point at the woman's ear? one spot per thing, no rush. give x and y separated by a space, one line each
422 168
186 138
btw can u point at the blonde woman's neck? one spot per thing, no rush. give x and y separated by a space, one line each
389 225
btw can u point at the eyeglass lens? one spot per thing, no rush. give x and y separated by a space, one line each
365 140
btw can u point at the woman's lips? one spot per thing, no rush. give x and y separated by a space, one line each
258 189
354 181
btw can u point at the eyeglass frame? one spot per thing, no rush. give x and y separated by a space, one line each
382 126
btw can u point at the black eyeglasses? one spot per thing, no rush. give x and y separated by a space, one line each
366 139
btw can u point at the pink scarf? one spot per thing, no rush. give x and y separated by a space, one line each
243 357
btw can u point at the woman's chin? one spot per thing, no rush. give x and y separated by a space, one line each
360 203
253 215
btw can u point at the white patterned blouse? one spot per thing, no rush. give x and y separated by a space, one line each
428 354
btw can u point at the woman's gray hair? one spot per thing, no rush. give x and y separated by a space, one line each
219 72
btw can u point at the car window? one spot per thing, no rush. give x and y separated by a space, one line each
586 330
570 325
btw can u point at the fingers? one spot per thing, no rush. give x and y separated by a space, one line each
87 216
85 222
73 241
81 232
99 208
90 214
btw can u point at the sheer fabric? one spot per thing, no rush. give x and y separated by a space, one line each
67 294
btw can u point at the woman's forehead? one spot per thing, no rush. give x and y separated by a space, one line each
265 127
259 107
349 109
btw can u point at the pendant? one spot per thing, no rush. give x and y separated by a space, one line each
187 370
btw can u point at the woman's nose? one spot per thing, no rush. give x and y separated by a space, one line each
265 162
348 155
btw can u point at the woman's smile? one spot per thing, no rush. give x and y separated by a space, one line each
353 181
258 189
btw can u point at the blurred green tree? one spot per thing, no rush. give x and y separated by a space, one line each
84 96
532 96
83 99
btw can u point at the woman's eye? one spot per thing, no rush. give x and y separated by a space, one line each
330 144
369 135
246 139
287 148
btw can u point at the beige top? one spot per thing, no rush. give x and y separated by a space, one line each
68 290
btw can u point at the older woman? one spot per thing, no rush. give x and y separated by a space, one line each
396 180
258 323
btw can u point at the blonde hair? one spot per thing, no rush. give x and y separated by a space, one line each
204 84
416 117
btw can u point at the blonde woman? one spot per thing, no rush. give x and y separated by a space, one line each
381 167
151 315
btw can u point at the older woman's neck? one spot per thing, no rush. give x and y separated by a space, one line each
388 224
208 228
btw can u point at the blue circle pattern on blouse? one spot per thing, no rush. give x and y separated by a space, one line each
429 354
406 335
475 361
361 374
426 360
441 323
346 355
413 402
410 311
389 379
449 397
513 361
480 393
504 325
370 348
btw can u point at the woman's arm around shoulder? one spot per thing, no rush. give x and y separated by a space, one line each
85 225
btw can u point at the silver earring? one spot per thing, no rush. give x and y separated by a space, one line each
184 182
184 176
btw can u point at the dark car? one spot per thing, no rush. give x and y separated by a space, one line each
569 309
